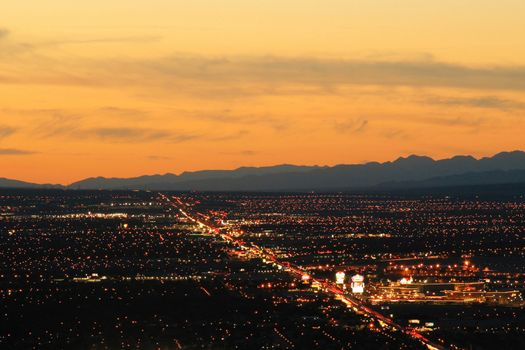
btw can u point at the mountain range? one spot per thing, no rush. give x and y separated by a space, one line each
405 172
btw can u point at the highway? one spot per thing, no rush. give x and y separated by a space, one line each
331 288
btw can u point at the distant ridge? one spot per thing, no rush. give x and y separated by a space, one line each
496 177
158 181
404 172
7 183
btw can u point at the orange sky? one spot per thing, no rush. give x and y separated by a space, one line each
129 87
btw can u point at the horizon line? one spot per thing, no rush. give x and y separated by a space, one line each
265 166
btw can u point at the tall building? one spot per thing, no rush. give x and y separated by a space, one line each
358 284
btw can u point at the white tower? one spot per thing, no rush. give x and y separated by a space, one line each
358 284
340 277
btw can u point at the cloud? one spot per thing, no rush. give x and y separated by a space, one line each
137 134
492 102
456 121
129 134
263 75
395 134
183 137
15 152
6 131
109 40
153 157
322 73
351 126
227 137
54 122
237 76
48 119
60 123
3 33
125 134
225 116
57 123
74 127
123 113
246 152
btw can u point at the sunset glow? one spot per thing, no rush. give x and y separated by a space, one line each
124 88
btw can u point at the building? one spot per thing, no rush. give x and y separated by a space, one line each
358 284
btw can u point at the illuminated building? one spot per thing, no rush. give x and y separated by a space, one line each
512 297
316 285
94 277
305 278
405 280
358 285
340 277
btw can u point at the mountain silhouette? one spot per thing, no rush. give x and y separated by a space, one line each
306 178
8 183
404 172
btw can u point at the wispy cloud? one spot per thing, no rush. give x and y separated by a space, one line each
52 123
3 33
246 153
492 102
124 113
231 136
85 125
108 40
15 152
158 158
59 123
263 75
76 127
351 126
6 131
122 134
127 134
325 73
395 134
456 121
227 117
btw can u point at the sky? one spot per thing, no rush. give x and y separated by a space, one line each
123 88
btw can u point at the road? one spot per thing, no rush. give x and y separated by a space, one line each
331 288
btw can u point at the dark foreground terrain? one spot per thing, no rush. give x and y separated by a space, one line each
125 270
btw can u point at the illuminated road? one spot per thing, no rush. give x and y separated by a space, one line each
329 287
